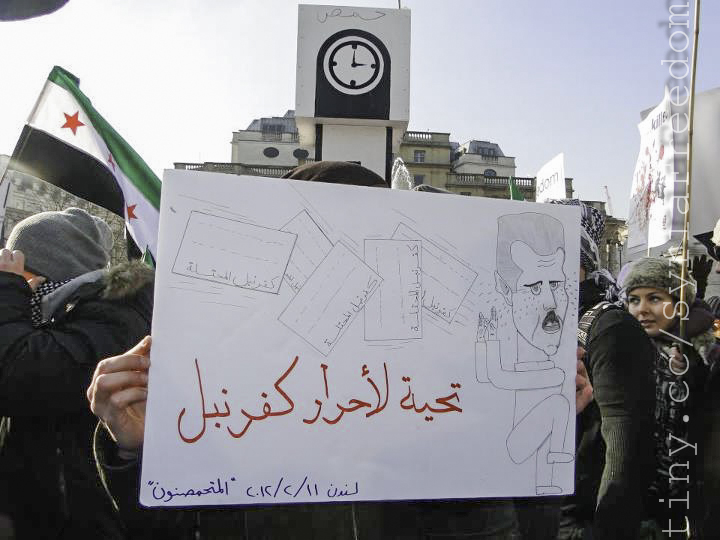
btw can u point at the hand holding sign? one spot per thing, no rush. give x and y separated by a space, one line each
118 393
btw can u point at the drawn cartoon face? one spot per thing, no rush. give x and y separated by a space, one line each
540 300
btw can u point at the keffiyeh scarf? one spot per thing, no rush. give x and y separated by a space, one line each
36 299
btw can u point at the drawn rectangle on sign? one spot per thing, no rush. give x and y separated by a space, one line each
394 312
445 279
233 253
331 298
311 248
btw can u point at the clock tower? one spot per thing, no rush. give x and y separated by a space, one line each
352 78
353 75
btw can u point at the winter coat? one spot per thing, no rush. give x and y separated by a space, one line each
50 486
709 444
694 422
614 433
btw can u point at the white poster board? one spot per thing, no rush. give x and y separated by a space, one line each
550 183
705 210
316 342
650 215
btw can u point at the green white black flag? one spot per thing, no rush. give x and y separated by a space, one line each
66 142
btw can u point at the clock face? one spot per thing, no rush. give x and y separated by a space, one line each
353 65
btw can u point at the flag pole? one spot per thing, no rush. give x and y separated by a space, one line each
4 202
691 118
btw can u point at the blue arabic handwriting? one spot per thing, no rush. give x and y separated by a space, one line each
159 493
285 488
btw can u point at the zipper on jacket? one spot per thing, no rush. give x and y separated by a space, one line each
62 485
196 532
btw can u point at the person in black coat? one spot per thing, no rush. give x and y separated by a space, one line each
614 433
118 394
120 435
62 311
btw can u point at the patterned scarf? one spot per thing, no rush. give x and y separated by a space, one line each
36 299
668 420
592 227
606 283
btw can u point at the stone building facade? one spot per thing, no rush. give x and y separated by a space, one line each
28 195
271 147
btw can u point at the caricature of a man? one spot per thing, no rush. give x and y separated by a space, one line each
530 277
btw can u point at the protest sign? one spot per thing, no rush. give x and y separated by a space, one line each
317 342
550 182
650 214
705 202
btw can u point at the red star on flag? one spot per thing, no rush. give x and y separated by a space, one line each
131 211
72 122
111 162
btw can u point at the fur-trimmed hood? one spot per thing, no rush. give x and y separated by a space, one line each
126 279
118 282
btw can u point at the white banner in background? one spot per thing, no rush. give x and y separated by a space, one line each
651 197
550 182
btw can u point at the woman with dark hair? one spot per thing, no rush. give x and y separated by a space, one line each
686 411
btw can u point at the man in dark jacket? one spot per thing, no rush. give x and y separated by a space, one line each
615 432
118 393
118 459
62 311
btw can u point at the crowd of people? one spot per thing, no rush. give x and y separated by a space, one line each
74 362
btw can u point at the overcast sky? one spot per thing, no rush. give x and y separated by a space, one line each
177 77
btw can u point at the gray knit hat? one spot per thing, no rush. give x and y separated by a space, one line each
657 273
62 245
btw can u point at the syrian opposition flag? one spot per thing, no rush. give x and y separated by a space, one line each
515 193
67 143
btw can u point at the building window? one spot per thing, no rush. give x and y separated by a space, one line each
466 193
271 152
419 179
490 172
419 156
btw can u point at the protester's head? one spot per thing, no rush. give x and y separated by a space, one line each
337 172
62 245
427 188
592 226
530 276
652 286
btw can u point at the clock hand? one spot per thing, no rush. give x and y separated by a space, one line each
354 63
